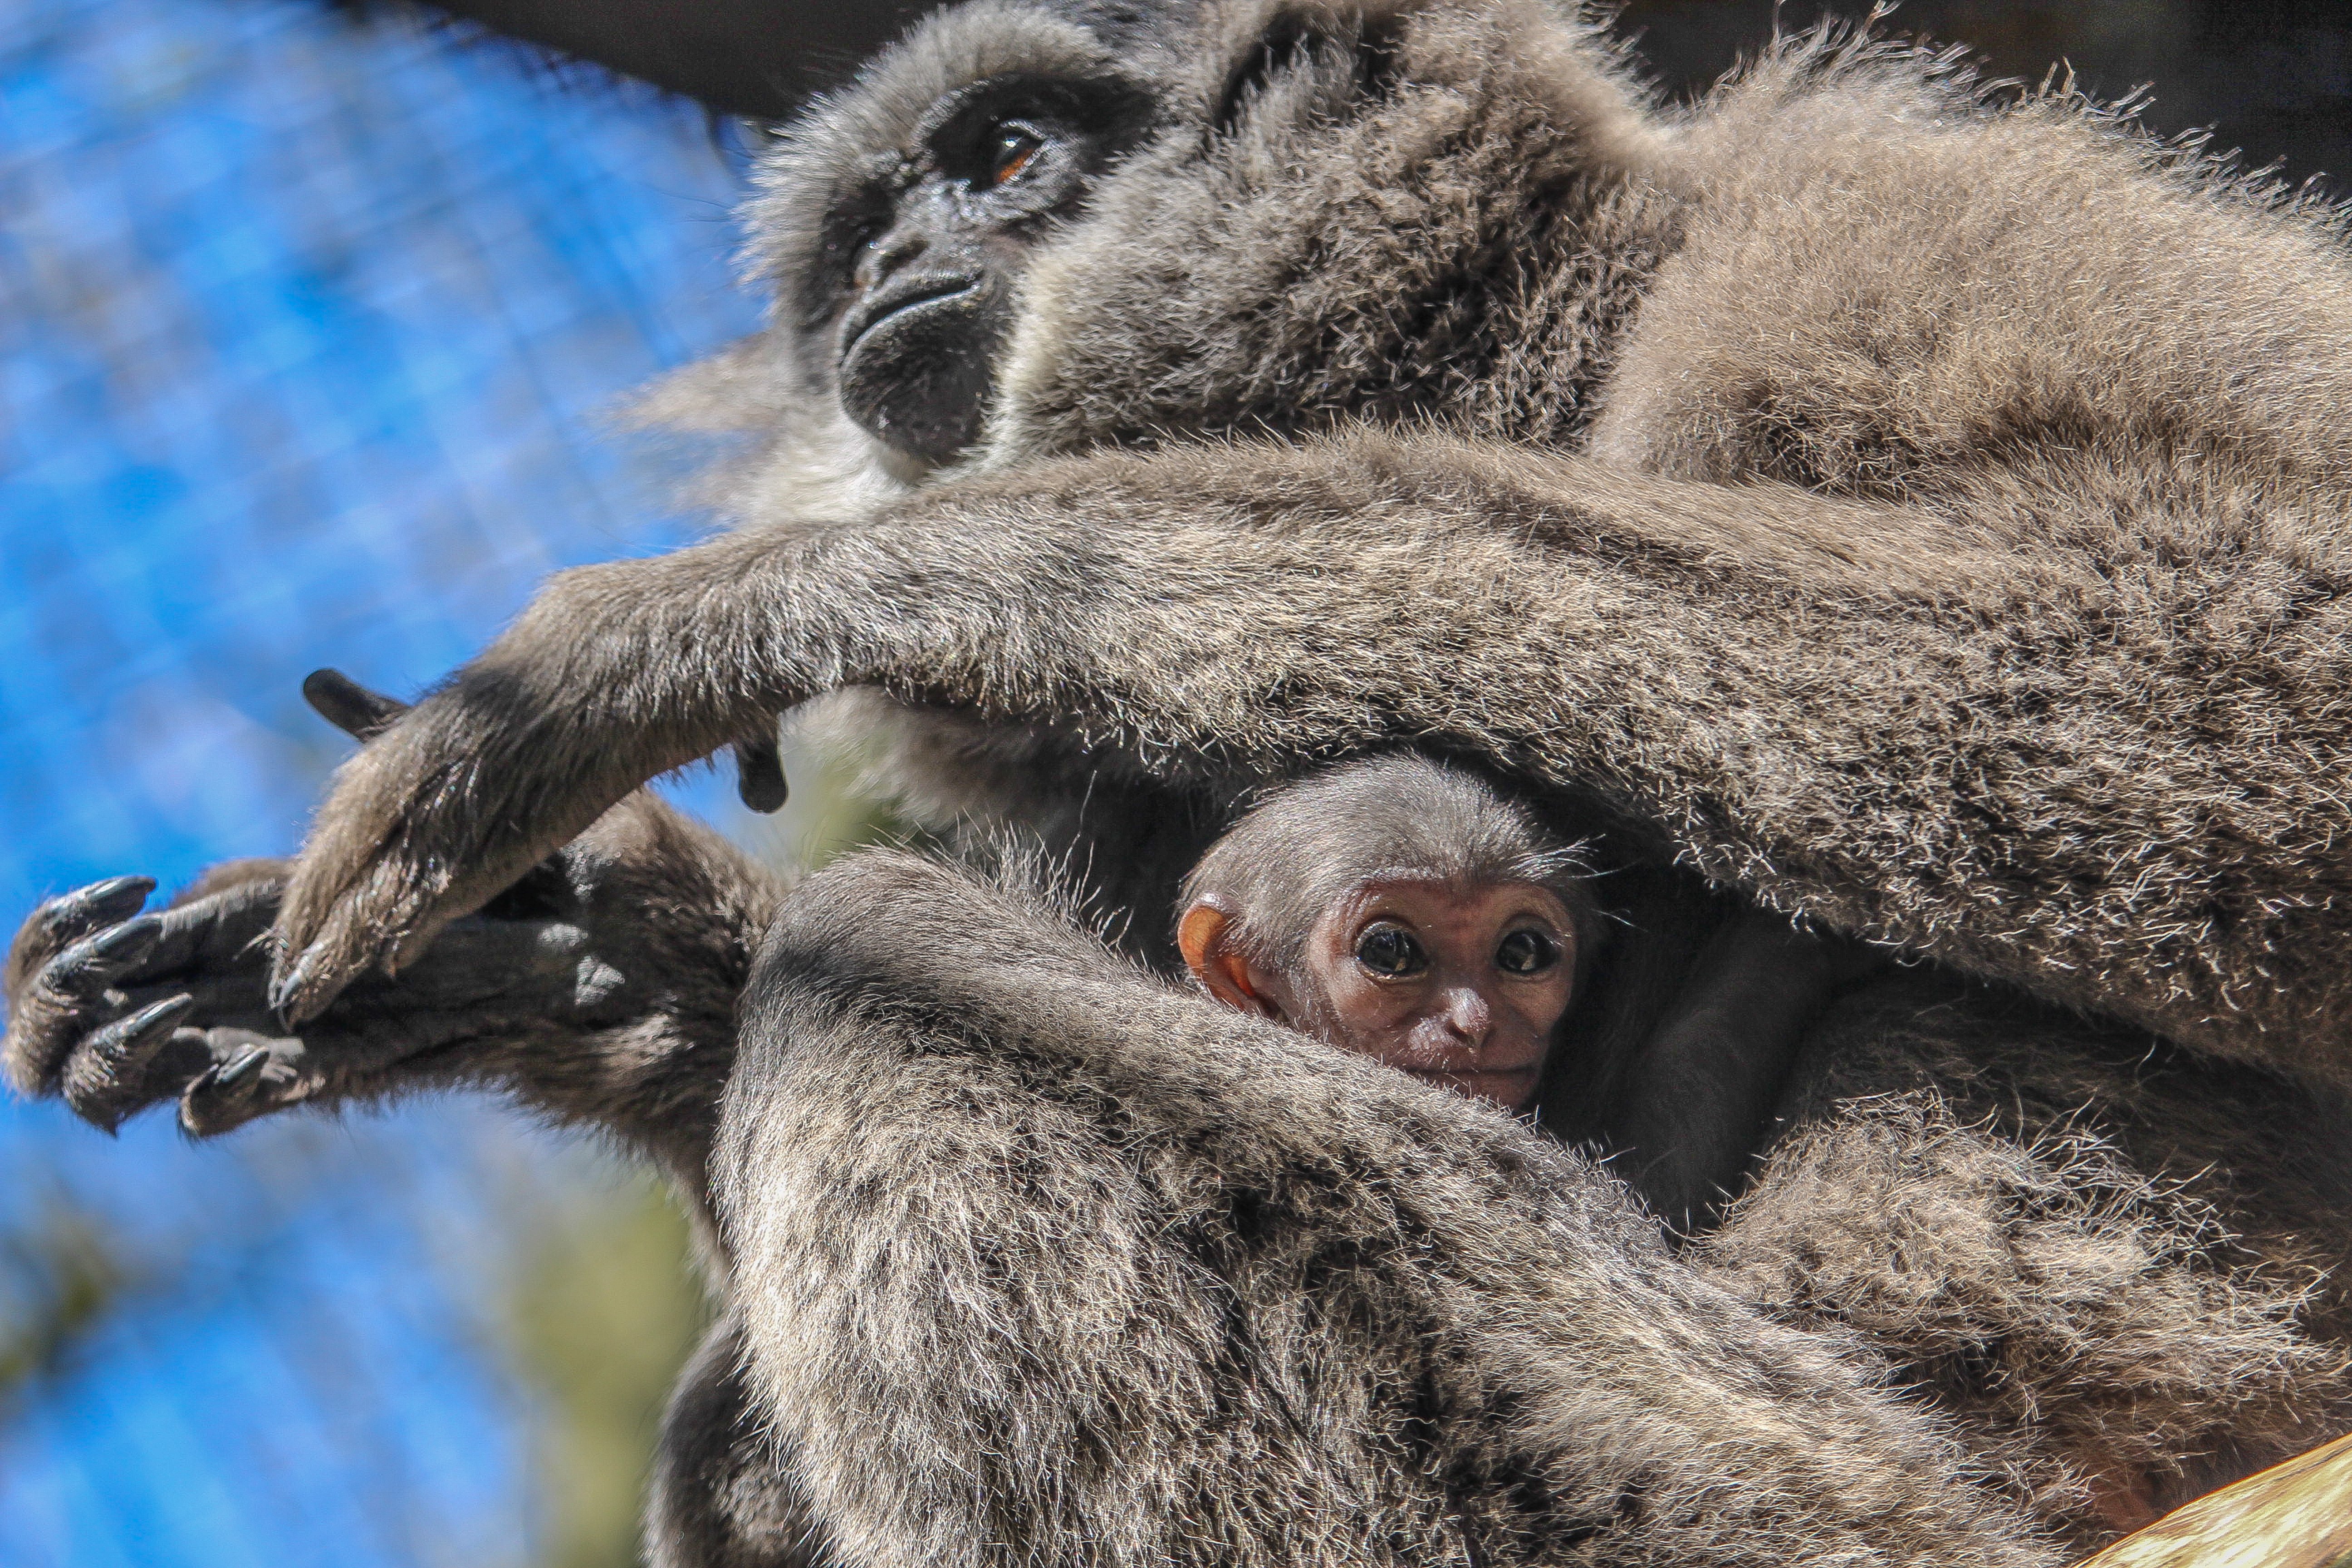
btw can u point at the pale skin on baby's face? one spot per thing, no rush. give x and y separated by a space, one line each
1459 984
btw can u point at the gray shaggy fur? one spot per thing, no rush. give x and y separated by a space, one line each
2132 1260
1922 517
1050 1254
2101 1338
947 1103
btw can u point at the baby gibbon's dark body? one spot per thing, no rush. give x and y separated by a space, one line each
1923 518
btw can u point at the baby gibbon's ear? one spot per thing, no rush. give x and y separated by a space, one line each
1215 962
758 59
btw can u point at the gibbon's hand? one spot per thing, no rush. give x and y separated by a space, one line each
116 1013
117 1010
595 689
378 880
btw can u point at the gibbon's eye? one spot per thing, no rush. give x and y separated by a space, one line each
1525 953
1010 149
1390 952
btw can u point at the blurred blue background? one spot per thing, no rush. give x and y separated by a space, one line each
308 334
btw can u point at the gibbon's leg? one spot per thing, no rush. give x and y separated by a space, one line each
2092 751
1041 1259
723 1494
2114 1263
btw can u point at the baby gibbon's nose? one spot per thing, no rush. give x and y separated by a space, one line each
1468 1016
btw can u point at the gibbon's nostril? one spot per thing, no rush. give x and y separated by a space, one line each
888 253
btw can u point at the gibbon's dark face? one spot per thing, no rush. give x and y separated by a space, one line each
942 240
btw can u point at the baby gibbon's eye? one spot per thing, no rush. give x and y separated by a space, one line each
1011 148
1527 952
1390 952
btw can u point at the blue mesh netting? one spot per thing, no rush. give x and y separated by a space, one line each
304 333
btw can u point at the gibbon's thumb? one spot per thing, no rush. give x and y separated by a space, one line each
353 709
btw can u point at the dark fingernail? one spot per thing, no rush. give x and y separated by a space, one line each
144 1032
128 943
93 960
116 898
248 1062
86 967
125 1047
172 1009
285 987
192 1096
292 996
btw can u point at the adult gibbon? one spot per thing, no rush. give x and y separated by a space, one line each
1916 515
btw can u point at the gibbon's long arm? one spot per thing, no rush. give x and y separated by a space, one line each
2096 750
1030 1247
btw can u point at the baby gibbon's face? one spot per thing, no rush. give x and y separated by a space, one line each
1460 985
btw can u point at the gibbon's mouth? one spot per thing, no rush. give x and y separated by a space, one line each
914 295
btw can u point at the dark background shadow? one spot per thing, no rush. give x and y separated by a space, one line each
2270 78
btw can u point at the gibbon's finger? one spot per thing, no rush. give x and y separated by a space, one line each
84 909
106 1080
215 935
50 1014
223 1001
87 968
760 775
239 1067
250 1077
335 954
70 917
356 711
